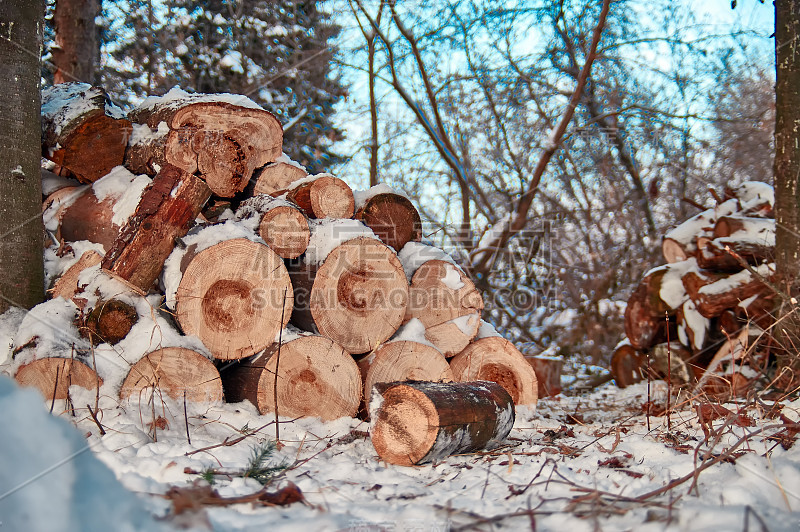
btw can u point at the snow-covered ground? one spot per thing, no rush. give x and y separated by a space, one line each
575 463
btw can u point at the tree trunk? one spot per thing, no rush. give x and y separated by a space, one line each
232 296
357 298
393 219
711 297
280 223
82 131
444 299
176 372
22 279
418 422
221 138
496 359
315 377
403 361
165 212
76 45
53 376
787 173
323 197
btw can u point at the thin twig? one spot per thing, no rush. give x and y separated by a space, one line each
186 418
277 365
96 421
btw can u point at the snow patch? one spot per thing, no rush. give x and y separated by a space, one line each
329 233
414 254
452 278
124 188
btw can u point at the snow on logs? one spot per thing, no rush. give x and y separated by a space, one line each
83 132
221 137
715 283
419 422
154 276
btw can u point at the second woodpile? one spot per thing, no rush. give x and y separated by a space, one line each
699 320
189 257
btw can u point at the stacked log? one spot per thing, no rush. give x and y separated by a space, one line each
713 292
202 248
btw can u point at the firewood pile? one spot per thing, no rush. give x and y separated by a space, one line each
188 257
696 319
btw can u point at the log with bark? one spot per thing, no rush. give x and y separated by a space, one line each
322 196
645 323
401 361
727 254
83 132
220 137
393 219
357 297
176 372
548 374
279 222
108 321
627 365
419 422
447 303
315 377
235 296
166 211
53 376
713 296
496 359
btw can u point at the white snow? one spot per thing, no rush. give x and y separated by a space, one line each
751 192
701 223
143 134
361 197
694 321
65 102
452 278
467 323
328 233
672 291
415 254
412 331
252 209
176 98
288 160
487 330
199 238
737 279
124 188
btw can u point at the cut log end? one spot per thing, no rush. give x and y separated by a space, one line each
496 359
626 365
275 177
393 219
286 231
109 322
232 296
418 422
53 376
324 197
176 372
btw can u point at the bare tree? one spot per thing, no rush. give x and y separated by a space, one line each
21 268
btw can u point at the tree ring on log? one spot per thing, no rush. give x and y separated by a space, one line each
57 374
393 219
174 371
286 231
231 296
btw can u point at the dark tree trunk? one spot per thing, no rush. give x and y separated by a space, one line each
76 40
787 160
21 268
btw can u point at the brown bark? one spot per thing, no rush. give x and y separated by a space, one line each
711 297
418 422
176 372
496 359
725 254
275 177
393 219
324 197
450 311
548 374
645 323
109 321
315 377
357 298
50 375
22 280
403 361
165 212
231 296
82 131
627 365
76 45
221 142
87 218
759 228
